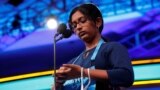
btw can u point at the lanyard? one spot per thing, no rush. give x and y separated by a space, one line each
97 49
101 41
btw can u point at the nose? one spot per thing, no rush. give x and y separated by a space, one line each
78 29
79 26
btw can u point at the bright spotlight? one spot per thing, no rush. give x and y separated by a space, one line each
51 23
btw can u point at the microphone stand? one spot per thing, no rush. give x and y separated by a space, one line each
54 57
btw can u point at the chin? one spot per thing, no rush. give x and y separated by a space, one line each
86 39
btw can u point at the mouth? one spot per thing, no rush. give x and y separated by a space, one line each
82 34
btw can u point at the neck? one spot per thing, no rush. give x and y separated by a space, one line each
92 43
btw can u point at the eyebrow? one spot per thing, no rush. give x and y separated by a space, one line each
78 19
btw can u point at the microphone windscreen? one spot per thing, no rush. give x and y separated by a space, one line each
61 28
67 33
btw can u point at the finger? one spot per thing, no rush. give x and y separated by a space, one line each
69 65
67 70
61 76
62 68
59 81
60 71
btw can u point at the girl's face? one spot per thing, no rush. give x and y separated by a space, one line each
85 28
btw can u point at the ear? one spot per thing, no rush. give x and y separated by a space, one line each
98 22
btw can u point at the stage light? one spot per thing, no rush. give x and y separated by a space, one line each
51 23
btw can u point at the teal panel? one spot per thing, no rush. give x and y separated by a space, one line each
147 72
38 83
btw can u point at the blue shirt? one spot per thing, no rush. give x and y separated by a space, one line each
114 58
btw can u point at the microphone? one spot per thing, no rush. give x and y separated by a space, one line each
65 33
62 29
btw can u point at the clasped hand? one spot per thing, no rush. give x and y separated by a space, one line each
68 71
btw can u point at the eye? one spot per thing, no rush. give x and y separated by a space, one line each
83 20
74 25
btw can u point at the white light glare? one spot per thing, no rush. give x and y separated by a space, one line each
51 23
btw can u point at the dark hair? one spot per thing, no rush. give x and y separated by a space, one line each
90 11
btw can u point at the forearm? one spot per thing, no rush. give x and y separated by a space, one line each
96 74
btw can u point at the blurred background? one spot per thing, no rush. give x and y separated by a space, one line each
27 28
